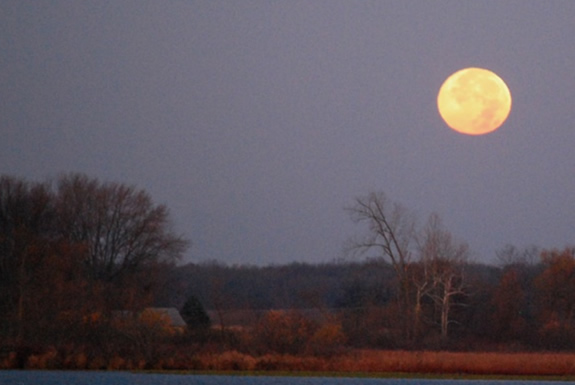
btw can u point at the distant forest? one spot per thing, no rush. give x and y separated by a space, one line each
523 303
290 286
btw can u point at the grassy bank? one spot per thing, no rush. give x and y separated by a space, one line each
369 363
432 363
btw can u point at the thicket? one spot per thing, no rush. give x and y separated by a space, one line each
73 253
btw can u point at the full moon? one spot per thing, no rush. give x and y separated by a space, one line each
474 101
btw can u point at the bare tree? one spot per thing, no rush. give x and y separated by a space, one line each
422 286
56 242
443 259
391 234
510 255
124 232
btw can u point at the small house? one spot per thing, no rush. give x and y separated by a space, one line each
171 315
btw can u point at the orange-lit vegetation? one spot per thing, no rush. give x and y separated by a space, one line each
81 267
360 361
282 341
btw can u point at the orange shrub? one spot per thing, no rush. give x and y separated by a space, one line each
327 340
284 332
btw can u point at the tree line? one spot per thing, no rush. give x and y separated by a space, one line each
76 252
525 302
416 287
521 304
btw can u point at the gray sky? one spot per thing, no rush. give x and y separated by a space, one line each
257 122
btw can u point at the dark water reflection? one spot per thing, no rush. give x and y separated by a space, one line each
12 377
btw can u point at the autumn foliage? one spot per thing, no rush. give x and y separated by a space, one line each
81 261
72 254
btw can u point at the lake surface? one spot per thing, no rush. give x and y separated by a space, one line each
14 377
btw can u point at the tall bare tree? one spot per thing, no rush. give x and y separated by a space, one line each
121 226
76 250
391 234
124 232
443 259
422 286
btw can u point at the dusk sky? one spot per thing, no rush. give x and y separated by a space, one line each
257 122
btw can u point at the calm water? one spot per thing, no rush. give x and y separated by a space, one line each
12 377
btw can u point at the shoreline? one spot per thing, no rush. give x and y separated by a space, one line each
367 375
355 363
321 374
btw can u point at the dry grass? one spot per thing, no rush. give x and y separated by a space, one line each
366 361
543 364
372 361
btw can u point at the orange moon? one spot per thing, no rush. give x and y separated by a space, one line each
474 101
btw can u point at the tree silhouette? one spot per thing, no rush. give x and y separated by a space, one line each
194 314
391 234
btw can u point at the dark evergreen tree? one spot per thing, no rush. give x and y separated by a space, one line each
194 314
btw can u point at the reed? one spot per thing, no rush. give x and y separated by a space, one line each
373 361
354 361
544 364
